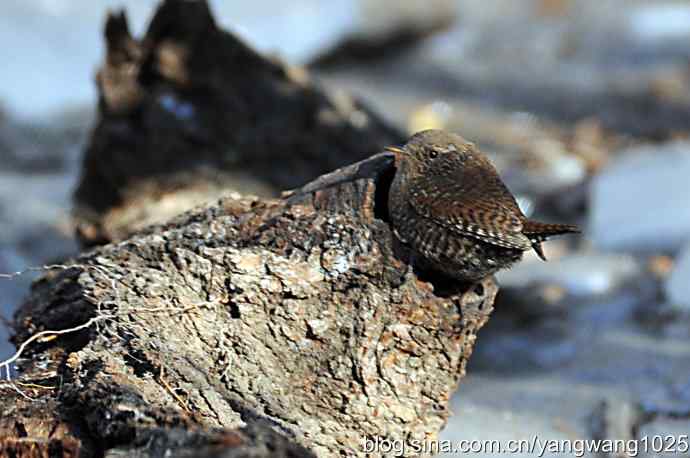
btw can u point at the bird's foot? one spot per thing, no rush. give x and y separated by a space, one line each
409 273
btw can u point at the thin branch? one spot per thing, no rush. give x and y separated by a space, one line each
36 269
34 386
50 334
6 363
172 392
14 387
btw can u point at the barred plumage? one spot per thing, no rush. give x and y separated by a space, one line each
449 204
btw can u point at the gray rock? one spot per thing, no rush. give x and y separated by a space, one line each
654 24
640 203
678 284
665 437
616 422
527 412
582 274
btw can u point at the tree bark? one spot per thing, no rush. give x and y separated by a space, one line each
243 324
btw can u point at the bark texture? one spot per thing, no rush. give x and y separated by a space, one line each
296 318
189 111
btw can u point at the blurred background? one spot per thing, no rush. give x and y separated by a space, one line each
584 106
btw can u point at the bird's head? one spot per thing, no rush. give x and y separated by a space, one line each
431 147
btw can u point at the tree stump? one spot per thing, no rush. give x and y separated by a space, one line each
287 326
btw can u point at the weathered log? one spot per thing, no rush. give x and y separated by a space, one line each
300 314
189 112
44 428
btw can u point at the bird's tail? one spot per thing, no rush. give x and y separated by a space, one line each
537 232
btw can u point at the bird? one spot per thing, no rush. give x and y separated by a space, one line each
448 204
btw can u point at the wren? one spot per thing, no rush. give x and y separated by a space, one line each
449 205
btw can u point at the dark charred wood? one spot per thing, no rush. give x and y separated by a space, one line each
189 112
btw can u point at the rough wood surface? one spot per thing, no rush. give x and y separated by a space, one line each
298 314
189 111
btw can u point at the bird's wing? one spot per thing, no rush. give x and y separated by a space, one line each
472 202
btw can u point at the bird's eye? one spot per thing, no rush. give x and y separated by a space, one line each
433 154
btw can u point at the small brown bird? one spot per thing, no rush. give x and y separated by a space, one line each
449 205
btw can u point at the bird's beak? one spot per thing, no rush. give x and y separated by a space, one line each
393 149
